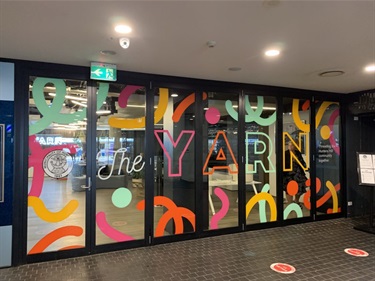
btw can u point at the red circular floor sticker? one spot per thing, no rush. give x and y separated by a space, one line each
356 252
283 268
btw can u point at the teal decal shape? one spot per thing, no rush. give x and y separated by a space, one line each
262 204
293 207
51 113
260 152
251 115
121 197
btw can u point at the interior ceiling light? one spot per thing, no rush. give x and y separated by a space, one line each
331 73
272 53
100 112
79 103
123 29
370 68
174 95
69 97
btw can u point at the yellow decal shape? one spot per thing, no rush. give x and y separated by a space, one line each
46 215
131 123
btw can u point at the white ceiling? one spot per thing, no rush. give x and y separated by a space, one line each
169 37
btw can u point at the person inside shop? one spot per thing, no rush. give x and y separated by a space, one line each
296 173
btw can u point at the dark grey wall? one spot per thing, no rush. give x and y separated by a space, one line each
360 137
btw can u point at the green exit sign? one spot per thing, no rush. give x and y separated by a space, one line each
103 71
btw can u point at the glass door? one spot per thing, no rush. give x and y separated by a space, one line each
120 171
77 173
56 214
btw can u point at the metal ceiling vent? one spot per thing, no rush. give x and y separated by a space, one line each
331 73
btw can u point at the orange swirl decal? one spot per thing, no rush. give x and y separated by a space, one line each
173 212
54 235
185 103
325 197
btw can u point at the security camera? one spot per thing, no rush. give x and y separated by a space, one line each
124 43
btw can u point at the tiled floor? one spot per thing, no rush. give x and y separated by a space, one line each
316 250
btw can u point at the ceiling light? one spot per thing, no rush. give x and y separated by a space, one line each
272 53
99 112
370 68
79 103
123 29
174 95
69 97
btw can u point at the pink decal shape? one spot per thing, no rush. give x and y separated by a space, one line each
36 161
214 224
125 94
332 140
191 133
212 115
112 233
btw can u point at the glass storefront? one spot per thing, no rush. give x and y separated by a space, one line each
87 162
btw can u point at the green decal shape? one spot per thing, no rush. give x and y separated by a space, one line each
259 152
262 204
51 113
121 197
293 207
251 115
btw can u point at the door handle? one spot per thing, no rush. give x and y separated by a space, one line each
88 186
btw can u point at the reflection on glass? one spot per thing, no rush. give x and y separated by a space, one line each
57 149
296 130
120 179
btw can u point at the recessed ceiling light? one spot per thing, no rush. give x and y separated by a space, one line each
331 73
108 53
174 95
123 29
234 68
272 53
370 68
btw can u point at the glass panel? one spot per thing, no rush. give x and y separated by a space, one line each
220 153
328 158
57 138
120 177
174 172
296 129
260 130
